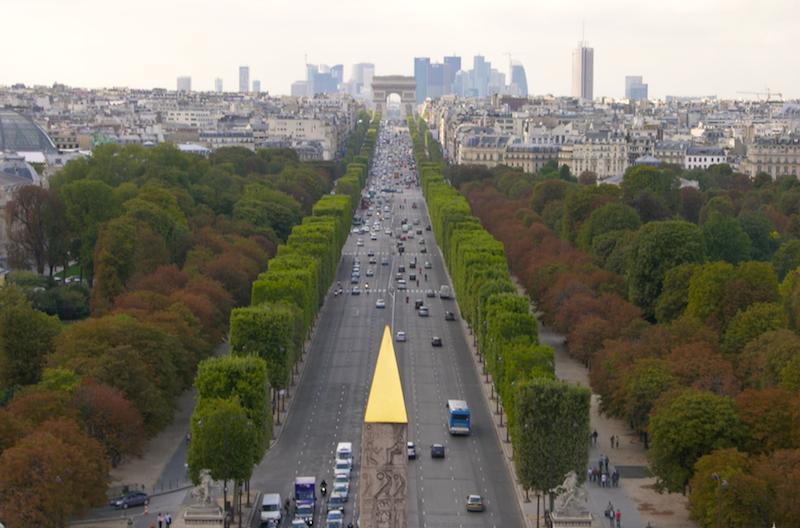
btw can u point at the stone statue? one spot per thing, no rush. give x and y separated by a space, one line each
571 497
203 492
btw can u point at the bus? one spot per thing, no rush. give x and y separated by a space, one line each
458 417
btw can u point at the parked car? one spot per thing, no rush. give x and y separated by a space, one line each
134 498
412 451
437 451
475 503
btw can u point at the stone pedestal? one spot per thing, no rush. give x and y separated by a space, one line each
383 490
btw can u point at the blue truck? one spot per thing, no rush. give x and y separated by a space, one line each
458 417
305 498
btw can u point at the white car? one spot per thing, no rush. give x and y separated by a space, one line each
342 467
359 242
370 272
401 336
341 480
380 303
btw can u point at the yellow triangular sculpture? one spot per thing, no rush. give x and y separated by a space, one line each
386 403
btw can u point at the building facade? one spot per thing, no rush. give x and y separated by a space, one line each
635 89
244 79
776 157
704 157
184 84
583 72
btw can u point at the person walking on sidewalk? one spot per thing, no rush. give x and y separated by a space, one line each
168 520
616 441
619 518
160 520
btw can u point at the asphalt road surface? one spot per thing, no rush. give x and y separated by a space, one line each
329 406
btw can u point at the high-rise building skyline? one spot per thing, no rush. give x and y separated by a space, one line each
519 81
218 85
256 86
635 89
583 72
421 67
184 83
244 79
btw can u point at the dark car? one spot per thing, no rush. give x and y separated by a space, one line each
437 451
449 316
428 227
134 498
436 341
418 304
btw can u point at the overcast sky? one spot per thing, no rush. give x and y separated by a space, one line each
681 47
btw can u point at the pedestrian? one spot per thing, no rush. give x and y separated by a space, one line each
594 437
160 520
603 480
612 441
589 474
619 518
168 520
617 441
606 464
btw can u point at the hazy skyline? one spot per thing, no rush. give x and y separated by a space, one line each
680 47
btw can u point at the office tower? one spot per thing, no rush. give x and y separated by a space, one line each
481 75
436 81
583 72
244 79
635 89
519 81
256 86
497 82
452 67
184 84
300 88
337 74
218 85
421 67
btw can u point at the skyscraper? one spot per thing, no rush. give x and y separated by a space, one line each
583 72
452 67
218 85
256 86
244 79
421 66
363 72
635 89
481 75
519 81
185 84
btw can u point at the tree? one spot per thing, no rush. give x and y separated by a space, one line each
725 239
26 226
26 339
690 425
662 183
51 475
610 217
111 420
763 359
646 382
659 247
550 434
787 258
674 296
224 442
710 471
760 230
699 366
707 289
768 415
751 323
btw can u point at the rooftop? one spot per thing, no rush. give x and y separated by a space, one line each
386 403
20 134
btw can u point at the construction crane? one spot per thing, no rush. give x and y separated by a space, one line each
768 93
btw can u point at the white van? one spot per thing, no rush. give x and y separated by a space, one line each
344 450
271 508
445 292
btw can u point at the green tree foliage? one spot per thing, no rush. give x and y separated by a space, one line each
787 258
579 204
610 217
648 380
711 470
550 433
661 184
26 339
751 323
660 246
725 239
762 234
674 296
692 424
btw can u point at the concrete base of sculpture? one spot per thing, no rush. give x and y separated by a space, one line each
383 491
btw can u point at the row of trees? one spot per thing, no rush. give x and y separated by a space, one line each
712 372
237 394
170 243
548 420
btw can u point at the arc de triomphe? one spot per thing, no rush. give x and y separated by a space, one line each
385 85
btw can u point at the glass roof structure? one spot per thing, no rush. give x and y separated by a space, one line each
20 134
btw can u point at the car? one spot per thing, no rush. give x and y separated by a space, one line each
437 451
421 242
373 260
423 311
430 293
342 488
371 253
356 290
436 341
401 284
418 303
475 503
423 249
298 522
384 261
412 451
380 303
419 231
412 276
306 513
342 466
400 336
428 265
449 316
401 268
336 502
359 242
428 227
387 231
354 279
373 237
134 498
341 479
370 272
401 249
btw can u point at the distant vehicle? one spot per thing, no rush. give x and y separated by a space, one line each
412 276
271 508
341 479
430 293
373 237
428 227
437 451
342 488
428 265
370 272
342 466
356 291
384 261
401 284
449 316
380 303
419 231
373 260
412 451
134 498
371 253
475 503
298 522
436 341
418 304
401 336
359 242
445 292
336 502
344 450
458 417
334 519
423 311
423 249
305 497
